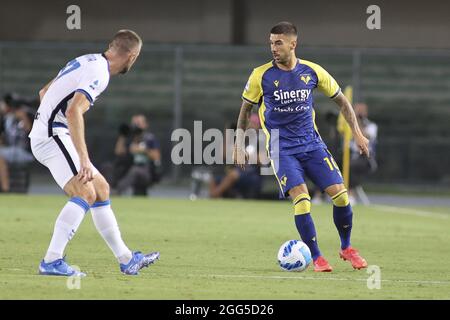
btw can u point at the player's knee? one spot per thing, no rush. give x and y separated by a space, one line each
102 191
89 195
302 204
341 199
87 192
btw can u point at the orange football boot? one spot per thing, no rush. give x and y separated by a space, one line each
353 256
322 265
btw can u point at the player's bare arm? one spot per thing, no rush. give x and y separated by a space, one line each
350 117
75 120
240 156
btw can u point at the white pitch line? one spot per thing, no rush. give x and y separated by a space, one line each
325 278
414 212
441 282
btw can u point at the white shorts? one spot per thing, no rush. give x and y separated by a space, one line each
59 155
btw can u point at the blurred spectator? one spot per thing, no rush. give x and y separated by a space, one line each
138 157
16 119
332 139
236 182
360 165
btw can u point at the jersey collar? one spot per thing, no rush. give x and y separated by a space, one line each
296 65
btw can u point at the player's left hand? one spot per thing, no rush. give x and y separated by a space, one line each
363 144
240 156
86 173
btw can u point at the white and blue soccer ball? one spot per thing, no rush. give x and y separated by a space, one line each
294 255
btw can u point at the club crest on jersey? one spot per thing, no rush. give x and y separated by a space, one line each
305 78
276 83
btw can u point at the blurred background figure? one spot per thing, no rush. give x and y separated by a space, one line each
138 158
16 118
361 166
332 138
232 181
180 75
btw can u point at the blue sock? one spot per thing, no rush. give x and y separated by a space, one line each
305 226
342 217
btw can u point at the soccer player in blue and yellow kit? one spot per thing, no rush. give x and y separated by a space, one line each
283 89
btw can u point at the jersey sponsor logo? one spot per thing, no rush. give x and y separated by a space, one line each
91 57
305 78
276 83
285 97
94 85
299 108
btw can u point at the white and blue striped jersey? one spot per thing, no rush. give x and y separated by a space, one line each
88 74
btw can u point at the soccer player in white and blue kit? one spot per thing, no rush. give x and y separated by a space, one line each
58 142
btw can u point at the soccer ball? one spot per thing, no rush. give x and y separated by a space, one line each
294 255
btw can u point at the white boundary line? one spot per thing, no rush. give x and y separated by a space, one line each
249 276
408 211
443 282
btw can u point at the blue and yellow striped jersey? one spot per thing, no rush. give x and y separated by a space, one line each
285 102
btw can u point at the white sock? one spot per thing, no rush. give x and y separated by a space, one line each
107 226
66 225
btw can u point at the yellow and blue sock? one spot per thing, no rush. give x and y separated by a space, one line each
342 216
305 223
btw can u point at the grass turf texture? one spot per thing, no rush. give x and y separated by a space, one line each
223 250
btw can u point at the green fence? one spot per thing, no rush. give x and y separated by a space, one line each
408 92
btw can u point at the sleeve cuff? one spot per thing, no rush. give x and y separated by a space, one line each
335 95
88 96
249 101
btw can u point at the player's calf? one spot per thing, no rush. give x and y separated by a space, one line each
66 226
106 224
306 228
342 216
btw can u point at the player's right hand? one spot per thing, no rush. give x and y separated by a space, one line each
86 173
240 157
363 145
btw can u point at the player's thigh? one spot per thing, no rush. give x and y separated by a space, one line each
101 187
59 155
322 169
289 173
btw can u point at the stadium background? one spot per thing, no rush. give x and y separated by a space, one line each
198 54
196 59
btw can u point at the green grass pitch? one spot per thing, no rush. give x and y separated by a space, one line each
225 250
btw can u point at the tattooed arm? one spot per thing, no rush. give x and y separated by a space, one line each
239 154
350 117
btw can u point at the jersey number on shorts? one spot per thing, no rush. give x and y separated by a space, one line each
331 163
70 66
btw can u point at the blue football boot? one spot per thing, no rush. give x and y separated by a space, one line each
139 261
59 267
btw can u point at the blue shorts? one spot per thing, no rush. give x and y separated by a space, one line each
318 165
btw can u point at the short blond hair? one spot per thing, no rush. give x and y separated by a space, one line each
126 40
